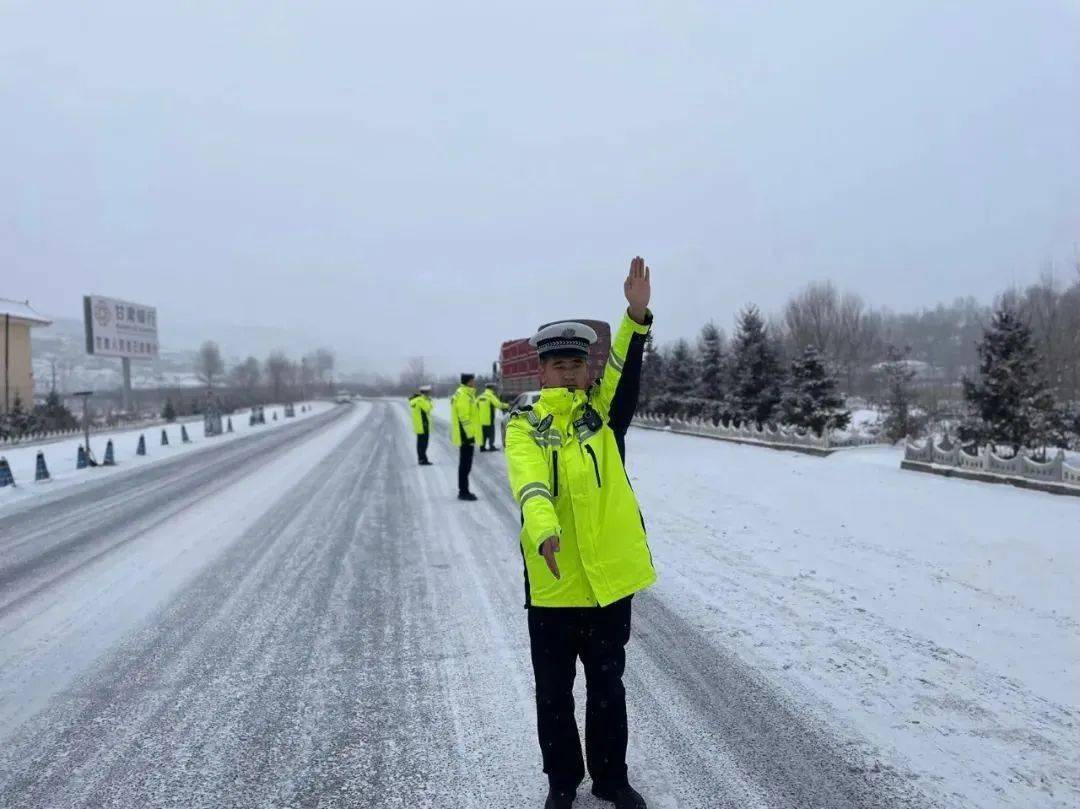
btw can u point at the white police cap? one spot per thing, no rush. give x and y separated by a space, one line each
563 337
425 388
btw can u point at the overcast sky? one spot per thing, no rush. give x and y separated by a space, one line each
419 178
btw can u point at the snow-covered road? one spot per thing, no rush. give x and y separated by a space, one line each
310 619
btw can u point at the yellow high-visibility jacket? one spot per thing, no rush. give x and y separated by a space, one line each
421 407
568 478
464 416
489 402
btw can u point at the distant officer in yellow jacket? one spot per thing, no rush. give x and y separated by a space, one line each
585 549
421 406
490 403
465 430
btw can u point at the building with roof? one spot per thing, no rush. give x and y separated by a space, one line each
16 368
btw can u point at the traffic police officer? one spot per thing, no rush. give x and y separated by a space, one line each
489 402
465 430
584 547
421 406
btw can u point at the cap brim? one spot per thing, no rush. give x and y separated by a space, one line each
564 352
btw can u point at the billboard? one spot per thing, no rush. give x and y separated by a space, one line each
116 328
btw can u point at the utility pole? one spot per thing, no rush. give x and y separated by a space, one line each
7 361
85 395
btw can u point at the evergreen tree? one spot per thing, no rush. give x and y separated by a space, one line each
653 371
712 362
756 377
812 401
53 415
168 412
19 421
1010 402
682 370
898 374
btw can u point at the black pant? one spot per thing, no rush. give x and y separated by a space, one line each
598 635
489 436
421 447
464 467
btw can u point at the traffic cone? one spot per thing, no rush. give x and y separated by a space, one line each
82 461
183 434
41 473
230 425
109 459
6 478
141 450
164 438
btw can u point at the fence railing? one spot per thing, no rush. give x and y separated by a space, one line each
776 436
984 460
41 436
48 435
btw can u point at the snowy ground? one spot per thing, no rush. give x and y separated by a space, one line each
936 618
60 456
307 618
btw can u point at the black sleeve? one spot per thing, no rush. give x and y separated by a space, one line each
625 401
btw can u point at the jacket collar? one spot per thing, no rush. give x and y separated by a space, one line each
561 401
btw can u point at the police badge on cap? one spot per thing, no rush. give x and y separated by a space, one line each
565 338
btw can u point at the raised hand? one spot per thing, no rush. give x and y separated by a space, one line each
638 289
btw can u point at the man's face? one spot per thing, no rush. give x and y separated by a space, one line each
564 372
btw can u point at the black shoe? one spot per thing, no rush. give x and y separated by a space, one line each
426 462
559 799
624 797
466 496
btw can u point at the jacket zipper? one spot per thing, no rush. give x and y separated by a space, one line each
555 472
595 465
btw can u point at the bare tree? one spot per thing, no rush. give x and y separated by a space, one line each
1070 305
247 374
324 365
414 373
208 363
857 338
811 318
307 374
279 373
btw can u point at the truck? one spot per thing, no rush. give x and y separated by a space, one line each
519 365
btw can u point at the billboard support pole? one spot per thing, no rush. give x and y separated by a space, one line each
125 364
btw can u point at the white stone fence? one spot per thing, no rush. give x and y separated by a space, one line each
778 437
985 463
